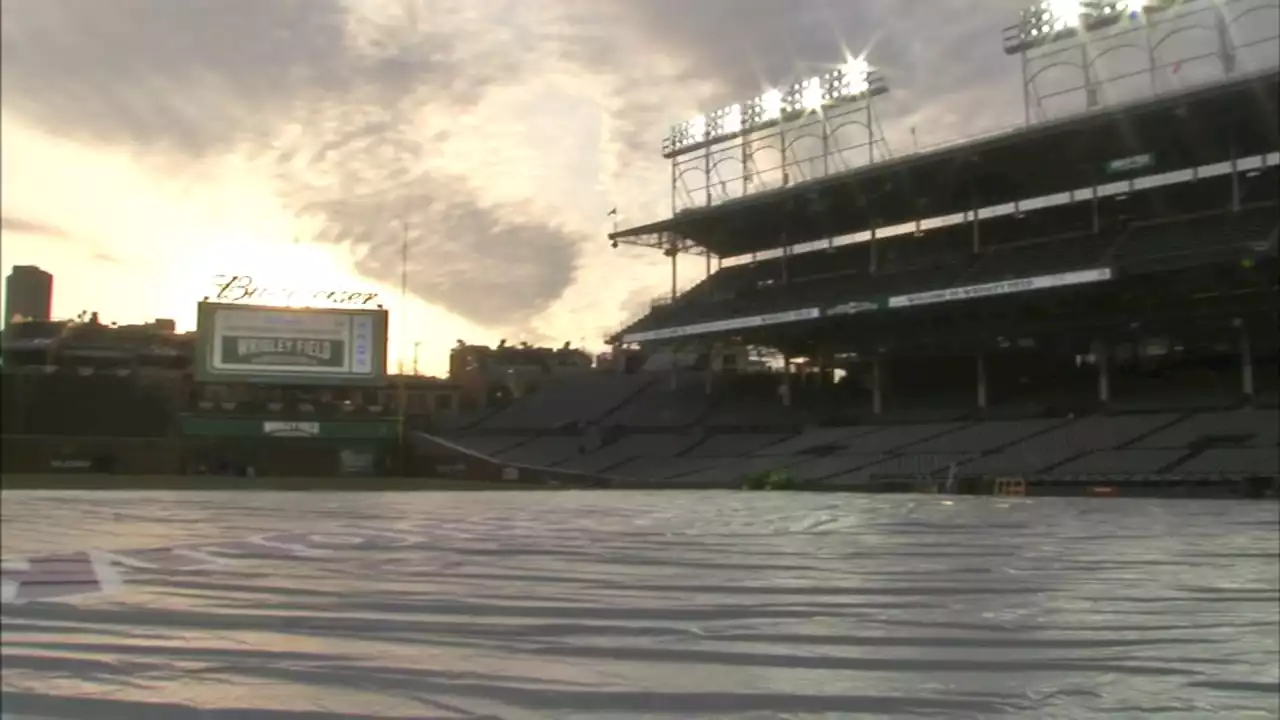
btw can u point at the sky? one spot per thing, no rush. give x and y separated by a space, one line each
148 145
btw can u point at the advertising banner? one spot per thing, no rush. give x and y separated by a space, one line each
716 326
1004 287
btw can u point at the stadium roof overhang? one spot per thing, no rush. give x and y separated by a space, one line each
1203 126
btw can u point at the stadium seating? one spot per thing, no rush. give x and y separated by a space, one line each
674 399
1238 428
1233 461
575 399
1220 236
1154 445
632 447
1067 441
543 451
490 444
1121 462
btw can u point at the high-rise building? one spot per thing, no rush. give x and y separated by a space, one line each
28 293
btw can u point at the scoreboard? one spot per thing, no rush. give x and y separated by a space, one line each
273 345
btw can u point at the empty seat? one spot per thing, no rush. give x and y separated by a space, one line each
883 439
1043 451
1233 461
837 437
982 436
830 466
671 400
543 452
488 444
735 445
579 398
1120 462
1254 428
630 447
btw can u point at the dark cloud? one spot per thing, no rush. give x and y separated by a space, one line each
192 78
943 59
330 98
29 227
489 264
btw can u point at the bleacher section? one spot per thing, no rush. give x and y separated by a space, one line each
1042 452
579 399
1220 444
1239 428
675 399
543 451
1165 244
1135 232
631 447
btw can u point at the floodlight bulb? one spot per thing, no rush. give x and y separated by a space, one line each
857 70
770 104
731 122
697 128
1065 13
1129 7
855 81
811 94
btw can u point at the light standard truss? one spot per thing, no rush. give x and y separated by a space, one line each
1078 55
817 126
670 243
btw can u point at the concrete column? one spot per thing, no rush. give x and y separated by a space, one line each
673 378
674 273
1246 363
982 381
784 387
877 393
1102 358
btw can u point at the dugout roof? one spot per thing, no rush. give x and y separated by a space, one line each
1202 126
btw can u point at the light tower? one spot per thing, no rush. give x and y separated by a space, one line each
816 126
782 136
1126 48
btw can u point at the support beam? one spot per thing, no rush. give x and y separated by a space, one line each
784 387
1102 359
872 251
877 391
981 366
674 279
1246 364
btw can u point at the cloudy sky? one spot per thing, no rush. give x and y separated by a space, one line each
149 144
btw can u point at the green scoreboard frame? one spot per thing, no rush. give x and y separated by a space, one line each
262 344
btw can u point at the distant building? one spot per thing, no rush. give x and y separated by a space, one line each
159 326
28 294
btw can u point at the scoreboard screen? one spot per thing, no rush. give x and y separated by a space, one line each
259 344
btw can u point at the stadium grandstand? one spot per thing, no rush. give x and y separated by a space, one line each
1084 304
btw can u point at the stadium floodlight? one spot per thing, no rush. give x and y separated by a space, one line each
698 128
1051 20
767 108
726 121
812 95
855 80
855 77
